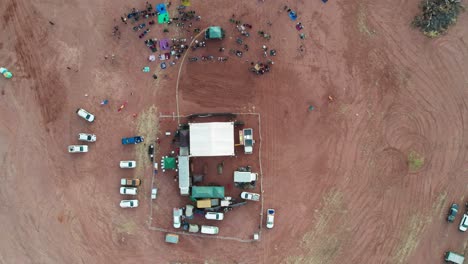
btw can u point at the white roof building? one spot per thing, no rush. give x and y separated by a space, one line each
184 175
211 139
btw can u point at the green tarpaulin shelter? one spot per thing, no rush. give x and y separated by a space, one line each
163 18
214 33
207 192
169 163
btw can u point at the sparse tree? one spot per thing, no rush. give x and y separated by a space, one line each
437 16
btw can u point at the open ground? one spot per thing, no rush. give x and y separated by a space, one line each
338 176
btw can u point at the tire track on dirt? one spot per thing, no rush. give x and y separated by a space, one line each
414 112
46 84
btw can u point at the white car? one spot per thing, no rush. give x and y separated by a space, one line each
189 211
250 196
270 221
127 164
177 215
214 216
86 137
129 203
464 223
212 230
85 115
128 190
77 148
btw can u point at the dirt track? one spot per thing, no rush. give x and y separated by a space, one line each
337 176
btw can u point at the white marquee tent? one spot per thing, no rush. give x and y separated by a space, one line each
211 139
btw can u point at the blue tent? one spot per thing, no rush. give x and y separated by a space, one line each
292 15
161 8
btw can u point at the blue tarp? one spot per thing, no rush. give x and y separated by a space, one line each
292 15
161 8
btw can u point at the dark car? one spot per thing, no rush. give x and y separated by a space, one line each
151 152
452 213
132 140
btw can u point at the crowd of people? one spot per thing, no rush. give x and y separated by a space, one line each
143 20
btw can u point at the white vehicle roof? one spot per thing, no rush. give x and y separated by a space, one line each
270 218
128 203
246 194
464 223
212 230
189 210
87 137
244 176
85 114
128 190
214 216
78 148
127 164
177 213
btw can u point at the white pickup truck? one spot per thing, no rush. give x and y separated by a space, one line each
250 196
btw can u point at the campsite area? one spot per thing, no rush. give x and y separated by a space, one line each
364 145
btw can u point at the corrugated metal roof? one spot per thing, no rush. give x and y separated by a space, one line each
184 172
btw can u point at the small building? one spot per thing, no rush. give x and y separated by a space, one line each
184 175
172 238
211 139
214 32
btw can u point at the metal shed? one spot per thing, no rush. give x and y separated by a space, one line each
184 175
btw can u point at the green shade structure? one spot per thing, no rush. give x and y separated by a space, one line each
163 18
214 33
199 192
170 163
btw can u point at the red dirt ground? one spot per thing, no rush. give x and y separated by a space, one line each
337 176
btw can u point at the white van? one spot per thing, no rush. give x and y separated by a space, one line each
245 176
212 230
214 216
454 257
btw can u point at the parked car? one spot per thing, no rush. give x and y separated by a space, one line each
270 221
192 228
154 193
86 137
464 223
77 148
128 190
85 115
132 140
452 213
151 153
177 213
129 203
212 230
189 211
130 182
214 216
250 196
127 164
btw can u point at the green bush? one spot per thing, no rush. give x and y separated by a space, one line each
437 16
415 161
